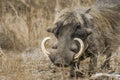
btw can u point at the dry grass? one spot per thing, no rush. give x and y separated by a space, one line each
23 25
31 64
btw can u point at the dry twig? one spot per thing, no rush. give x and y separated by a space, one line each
113 75
2 53
12 6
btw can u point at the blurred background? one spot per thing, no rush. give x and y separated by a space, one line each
23 23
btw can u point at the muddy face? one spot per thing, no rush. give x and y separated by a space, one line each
65 48
71 34
69 45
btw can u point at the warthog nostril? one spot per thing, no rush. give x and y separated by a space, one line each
58 63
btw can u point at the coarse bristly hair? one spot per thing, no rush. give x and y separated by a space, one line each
103 17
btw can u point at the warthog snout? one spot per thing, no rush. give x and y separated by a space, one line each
64 54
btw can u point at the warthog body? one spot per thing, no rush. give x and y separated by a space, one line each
84 32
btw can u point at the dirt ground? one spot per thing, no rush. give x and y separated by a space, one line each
32 64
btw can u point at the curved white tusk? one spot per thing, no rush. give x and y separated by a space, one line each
81 48
43 46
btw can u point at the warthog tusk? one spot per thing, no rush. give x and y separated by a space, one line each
44 50
81 48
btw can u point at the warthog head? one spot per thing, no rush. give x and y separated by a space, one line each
71 39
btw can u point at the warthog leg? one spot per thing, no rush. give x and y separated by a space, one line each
93 62
106 64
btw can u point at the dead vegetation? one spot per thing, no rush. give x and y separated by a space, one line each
31 64
23 25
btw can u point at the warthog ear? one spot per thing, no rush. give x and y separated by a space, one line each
87 15
50 30
53 30
88 10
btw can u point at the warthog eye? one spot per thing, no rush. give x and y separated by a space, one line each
74 50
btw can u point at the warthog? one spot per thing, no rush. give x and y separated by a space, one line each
84 32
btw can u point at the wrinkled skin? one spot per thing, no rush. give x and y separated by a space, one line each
64 50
